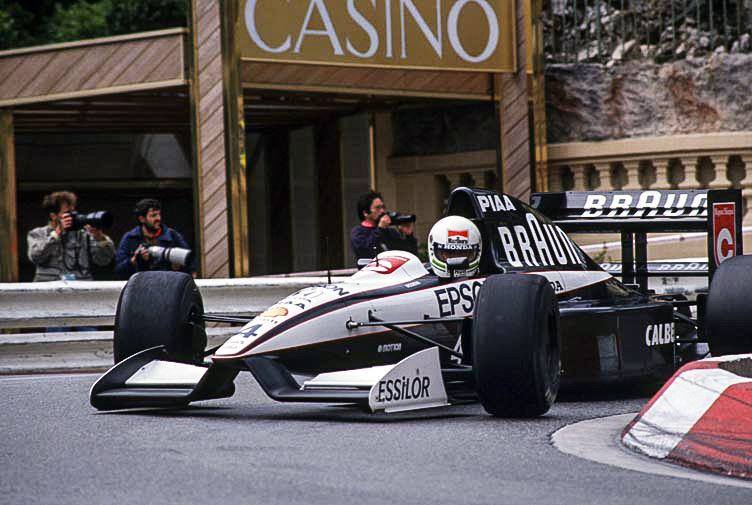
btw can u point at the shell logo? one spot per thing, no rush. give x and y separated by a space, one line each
275 311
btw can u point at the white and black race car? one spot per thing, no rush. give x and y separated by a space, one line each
396 337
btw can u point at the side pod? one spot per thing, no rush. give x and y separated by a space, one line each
150 379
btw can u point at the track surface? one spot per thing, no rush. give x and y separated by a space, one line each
54 448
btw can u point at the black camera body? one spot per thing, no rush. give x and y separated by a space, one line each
100 219
400 218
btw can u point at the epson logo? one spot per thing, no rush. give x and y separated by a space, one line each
453 299
646 204
538 245
659 334
403 388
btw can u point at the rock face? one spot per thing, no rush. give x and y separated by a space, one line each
586 102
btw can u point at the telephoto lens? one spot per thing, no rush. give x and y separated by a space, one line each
400 218
100 219
176 256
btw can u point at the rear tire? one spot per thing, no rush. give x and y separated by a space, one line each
155 309
728 316
516 345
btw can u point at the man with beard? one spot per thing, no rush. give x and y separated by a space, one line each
133 253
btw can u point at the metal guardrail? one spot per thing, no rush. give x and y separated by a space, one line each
69 304
92 303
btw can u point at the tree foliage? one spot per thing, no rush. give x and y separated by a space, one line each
34 22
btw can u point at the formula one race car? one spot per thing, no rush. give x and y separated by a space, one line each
396 336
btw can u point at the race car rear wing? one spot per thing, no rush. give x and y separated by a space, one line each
634 214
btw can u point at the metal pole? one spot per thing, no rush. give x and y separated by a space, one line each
673 26
598 25
587 31
623 36
738 18
710 15
577 32
697 6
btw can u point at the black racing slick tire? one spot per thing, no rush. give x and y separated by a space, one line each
516 358
728 315
158 308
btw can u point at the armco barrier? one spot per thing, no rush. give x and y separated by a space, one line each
66 304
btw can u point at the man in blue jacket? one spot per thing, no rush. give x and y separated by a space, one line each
133 254
374 235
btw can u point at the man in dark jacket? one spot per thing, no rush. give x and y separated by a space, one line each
374 235
133 254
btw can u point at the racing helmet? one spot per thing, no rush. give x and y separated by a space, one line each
454 237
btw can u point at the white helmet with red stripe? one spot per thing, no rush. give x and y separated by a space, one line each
454 237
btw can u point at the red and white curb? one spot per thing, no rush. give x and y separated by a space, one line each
701 418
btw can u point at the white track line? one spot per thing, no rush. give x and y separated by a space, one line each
49 376
598 440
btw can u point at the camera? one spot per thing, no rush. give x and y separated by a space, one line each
400 218
100 219
176 256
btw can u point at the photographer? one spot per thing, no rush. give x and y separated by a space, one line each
66 248
374 234
134 255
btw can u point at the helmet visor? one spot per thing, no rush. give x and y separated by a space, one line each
455 250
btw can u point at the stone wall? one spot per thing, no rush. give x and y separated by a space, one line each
588 102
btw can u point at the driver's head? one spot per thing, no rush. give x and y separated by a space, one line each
454 237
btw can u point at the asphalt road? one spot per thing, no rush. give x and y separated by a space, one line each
56 449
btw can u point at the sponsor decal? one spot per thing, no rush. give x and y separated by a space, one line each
645 204
386 265
659 334
495 203
413 383
455 235
412 284
404 388
395 347
457 299
724 231
275 311
557 285
538 244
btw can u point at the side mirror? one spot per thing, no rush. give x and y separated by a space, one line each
363 262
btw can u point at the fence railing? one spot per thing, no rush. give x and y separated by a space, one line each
609 31
61 305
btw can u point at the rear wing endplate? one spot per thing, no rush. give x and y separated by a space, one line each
634 214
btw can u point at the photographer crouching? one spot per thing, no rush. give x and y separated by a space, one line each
71 242
375 232
152 245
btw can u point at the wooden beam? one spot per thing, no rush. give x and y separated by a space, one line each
194 99
538 91
514 118
8 223
235 144
218 133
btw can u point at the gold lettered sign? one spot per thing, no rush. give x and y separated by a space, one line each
468 35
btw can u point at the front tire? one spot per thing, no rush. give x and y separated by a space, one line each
156 308
516 345
728 316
